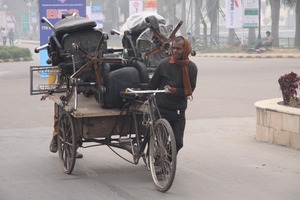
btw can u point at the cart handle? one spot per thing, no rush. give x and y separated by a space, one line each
131 90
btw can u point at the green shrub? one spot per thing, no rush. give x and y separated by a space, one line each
7 52
5 55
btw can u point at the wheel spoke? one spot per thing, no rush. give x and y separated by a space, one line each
67 142
162 155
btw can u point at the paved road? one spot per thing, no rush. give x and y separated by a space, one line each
220 160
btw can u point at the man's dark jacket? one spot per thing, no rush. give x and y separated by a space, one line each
169 73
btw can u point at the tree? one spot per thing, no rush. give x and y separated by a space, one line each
212 11
297 34
183 15
166 9
251 35
296 4
111 14
124 8
275 14
199 19
231 37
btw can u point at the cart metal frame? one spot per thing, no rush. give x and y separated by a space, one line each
137 128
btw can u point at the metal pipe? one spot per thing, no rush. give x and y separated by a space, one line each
75 85
37 49
259 16
45 20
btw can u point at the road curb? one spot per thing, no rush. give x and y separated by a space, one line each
35 42
15 60
247 56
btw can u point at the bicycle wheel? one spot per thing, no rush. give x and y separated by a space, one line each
66 143
162 154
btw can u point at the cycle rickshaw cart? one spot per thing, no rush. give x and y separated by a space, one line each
86 67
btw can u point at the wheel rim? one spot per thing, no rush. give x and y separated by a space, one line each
66 143
162 155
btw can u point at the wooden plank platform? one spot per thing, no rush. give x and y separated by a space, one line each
86 107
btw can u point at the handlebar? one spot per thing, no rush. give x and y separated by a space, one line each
112 50
45 20
38 49
114 31
130 90
135 94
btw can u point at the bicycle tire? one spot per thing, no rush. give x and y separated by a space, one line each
67 143
163 155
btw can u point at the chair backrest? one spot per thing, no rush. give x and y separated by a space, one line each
86 39
115 82
116 78
73 24
69 26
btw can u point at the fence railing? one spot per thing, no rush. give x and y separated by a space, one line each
200 44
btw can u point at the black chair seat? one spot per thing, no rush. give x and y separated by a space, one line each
72 24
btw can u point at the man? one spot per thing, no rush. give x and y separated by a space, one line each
178 75
53 147
11 37
4 36
266 41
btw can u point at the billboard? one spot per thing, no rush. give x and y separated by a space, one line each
150 5
233 13
251 13
135 6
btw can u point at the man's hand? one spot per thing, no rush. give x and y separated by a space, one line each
170 89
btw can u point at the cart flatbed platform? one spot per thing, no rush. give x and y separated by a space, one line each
92 121
86 107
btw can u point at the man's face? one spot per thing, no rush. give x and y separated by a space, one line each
177 49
